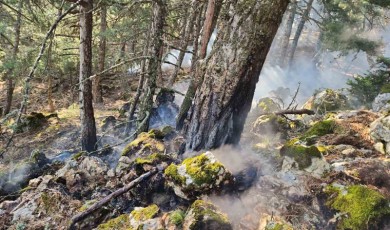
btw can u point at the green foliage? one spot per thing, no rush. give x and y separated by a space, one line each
177 217
366 88
345 24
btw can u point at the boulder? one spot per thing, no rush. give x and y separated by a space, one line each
145 144
204 215
198 175
326 101
302 154
380 133
381 103
144 218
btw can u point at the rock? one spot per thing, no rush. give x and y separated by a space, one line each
359 206
198 175
326 101
145 144
301 153
270 125
119 223
83 175
204 215
381 103
32 121
380 133
108 123
142 218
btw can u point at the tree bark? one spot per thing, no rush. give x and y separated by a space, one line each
287 33
88 128
298 33
212 14
97 90
222 102
188 24
154 64
8 75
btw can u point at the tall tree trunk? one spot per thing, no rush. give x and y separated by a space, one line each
287 32
88 128
188 24
298 33
97 90
154 64
141 80
222 102
212 13
8 75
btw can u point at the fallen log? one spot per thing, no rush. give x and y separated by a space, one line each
295 112
81 216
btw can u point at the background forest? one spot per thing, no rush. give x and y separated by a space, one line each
97 94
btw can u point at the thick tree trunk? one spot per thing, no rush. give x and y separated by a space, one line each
154 64
287 33
88 128
97 90
298 33
8 75
224 99
212 13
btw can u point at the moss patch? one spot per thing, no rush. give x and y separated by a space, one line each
78 155
177 217
200 169
121 222
363 206
206 213
145 143
321 128
146 213
300 153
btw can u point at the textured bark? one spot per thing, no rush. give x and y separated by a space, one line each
154 64
188 24
15 50
141 80
88 128
223 101
287 32
97 90
298 33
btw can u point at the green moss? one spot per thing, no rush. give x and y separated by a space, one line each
277 226
199 168
267 105
119 223
152 159
86 205
385 88
321 128
145 141
362 206
205 211
300 153
78 155
146 213
177 217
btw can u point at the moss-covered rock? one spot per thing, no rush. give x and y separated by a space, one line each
30 122
301 153
177 217
267 105
120 223
327 100
145 144
204 215
359 205
321 128
197 175
269 124
139 215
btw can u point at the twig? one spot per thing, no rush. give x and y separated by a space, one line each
81 216
294 97
295 112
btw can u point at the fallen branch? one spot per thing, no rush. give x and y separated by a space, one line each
295 112
81 216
